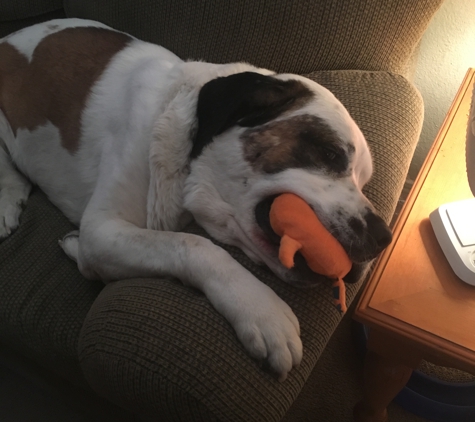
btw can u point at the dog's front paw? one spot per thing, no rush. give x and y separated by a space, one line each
10 210
270 332
263 322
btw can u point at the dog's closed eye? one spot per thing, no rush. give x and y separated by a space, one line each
330 154
334 157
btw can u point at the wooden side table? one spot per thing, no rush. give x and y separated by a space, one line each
414 304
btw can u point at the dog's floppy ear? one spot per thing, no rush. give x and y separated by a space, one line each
245 99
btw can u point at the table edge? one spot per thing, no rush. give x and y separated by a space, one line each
378 320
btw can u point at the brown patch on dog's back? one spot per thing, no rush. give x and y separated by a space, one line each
11 61
55 85
303 141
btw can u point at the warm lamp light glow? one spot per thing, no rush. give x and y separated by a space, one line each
471 145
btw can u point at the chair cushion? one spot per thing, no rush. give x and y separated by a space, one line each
44 299
286 36
22 9
8 27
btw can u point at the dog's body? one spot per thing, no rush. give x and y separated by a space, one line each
130 142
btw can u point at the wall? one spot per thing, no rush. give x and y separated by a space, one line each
446 51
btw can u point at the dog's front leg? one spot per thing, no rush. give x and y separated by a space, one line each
14 191
265 324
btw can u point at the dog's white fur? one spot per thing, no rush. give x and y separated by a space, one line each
131 187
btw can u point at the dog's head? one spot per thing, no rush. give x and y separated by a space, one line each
259 136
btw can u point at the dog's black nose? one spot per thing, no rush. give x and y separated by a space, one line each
378 231
370 235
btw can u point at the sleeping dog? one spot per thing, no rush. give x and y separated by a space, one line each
131 143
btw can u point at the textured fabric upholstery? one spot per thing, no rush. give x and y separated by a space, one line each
9 27
297 36
43 300
21 9
155 346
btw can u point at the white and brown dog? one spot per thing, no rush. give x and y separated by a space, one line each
130 143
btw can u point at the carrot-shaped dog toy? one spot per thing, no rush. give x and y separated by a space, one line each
301 230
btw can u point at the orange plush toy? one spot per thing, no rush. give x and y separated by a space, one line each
301 230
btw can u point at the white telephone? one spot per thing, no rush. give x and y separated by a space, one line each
454 223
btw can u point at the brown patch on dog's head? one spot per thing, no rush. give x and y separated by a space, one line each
303 141
55 85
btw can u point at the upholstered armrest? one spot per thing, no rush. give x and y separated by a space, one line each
156 347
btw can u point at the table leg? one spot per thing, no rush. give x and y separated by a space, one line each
388 366
383 379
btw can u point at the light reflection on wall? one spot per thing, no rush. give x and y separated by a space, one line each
446 51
